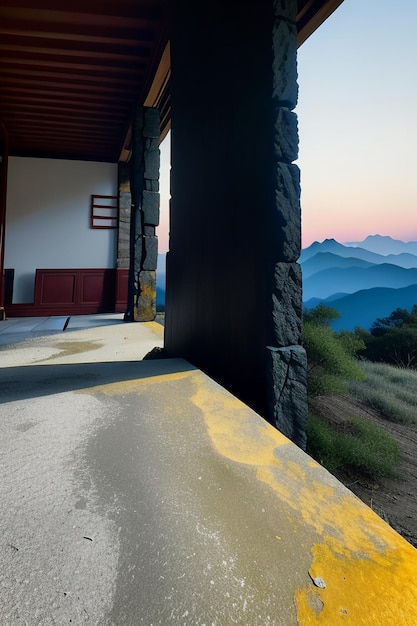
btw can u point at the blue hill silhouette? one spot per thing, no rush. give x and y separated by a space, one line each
351 279
407 258
361 284
325 260
333 246
364 307
383 244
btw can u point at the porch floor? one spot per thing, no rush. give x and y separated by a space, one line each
141 492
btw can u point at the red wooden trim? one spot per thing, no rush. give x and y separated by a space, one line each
81 291
112 208
31 310
122 278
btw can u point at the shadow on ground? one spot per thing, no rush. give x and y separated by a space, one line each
32 381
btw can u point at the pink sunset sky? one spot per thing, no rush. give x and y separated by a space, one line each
357 116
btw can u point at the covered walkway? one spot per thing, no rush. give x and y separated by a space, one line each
141 492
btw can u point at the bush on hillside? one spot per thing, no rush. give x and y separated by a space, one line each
397 319
321 315
330 356
361 447
393 339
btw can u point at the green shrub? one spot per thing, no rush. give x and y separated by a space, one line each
330 365
393 339
360 447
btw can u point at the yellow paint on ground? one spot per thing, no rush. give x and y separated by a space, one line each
236 432
369 571
376 589
155 328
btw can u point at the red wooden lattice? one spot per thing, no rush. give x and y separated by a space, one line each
104 211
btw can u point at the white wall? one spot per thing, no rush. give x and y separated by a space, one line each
48 218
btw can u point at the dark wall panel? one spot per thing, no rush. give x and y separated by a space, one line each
222 240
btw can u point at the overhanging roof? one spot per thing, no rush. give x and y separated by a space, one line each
71 74
312 14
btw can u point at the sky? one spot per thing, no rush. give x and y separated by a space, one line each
357 116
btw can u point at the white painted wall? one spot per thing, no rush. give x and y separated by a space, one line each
48 218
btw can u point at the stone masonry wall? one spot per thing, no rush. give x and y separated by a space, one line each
144 216
286 358
125 203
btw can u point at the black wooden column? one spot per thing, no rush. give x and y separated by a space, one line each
233 283
4 155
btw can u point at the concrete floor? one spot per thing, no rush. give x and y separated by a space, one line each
141 492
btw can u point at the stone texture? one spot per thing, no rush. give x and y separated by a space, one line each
145 300
286 9
287 196
124 215
288 391
152 185
286 135
125 200
151 127
152 162
285 88
124 235
151 144
125 203
287 304
150 256
124 247
144 213
150 207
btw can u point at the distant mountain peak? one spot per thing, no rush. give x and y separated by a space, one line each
381 238
385 245
326 243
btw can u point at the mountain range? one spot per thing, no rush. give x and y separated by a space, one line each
363 307
362 280
383 244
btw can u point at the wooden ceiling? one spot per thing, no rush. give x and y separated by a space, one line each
72 73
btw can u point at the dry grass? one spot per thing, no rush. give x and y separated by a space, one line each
388 389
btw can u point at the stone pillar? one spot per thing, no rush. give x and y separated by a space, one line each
123 237
144 216
286 359
233 303
125 203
